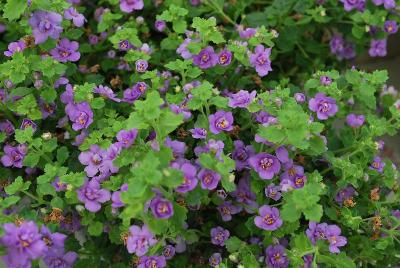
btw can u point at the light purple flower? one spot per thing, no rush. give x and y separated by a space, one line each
116 197
178 147
134 93
106 92
94 160
58 185
66 51
160 25
241 154
14 47
325 80
209 179
141 66
241 99
324 106
140 240
390 26
77 18
53 241
152 262
265 165
335 239
80 114
245 195
47 109
273 191
198 133
60 259
268 219
183 50
161 208
345 194
378 48
7 127
224 57
28 123
260 60
316 231
246 33
189 178
353 4
341 48
299 97
388 4
220 121
219 235
227 209
354 120
206 58
276 257
377 164
127 137
92 195
44 25
168 252
129 6
14 156
215 258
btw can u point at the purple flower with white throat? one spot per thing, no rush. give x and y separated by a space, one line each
355 121
276 257
58 185
324 106
241 154
92 195
152 262
227 209
265 165
260 60
53 241
168 252
178 147
93 160
134 93
7 127
345 195
316 231
189 178
141 66
390 27
126 138
219 235
268 219
47 109
206 58
77 19
378 48
28 123
14 156
209 179
299 97
44 25
198 133
377 164
224 57
106 92
241 99
325 80
273 191
161 208
220 121
14 47
129 6
215 259
140 240
66 51
349 5
160 25
334 238
80 114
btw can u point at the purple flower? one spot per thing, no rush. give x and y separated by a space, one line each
265 165
245 195
127 137
325 80
47 109
209 179
134 93
183 50
44 25
80 114
116 197
227 209
7 127
219 235
124 45
316 231
224 57
129 6
334 238
28 123
106 92
198 133
246 33
139 240
77 18
92 195
58 185
354 120
66 51
276 257
291 172
390 26
353 4
241 99
206 58
273 191
23 241
345 194
269 218
14 156
14 47
300 97
141 66
161 208
215 259
189 178
377 164
220 121
152 262
241 154
378 48
160 25
283 155
54 241
324 106
94 160
341 48
260 60
60 259
178 147
168 252
388 4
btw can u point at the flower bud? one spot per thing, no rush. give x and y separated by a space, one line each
46 136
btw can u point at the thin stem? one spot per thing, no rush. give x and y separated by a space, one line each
220 11
9 115
31 196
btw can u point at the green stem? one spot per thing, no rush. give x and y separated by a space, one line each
9 115
220 11
31 196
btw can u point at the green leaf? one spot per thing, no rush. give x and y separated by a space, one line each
13 9
24 135
233 244
95 228
17 185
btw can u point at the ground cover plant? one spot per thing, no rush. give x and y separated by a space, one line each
197 133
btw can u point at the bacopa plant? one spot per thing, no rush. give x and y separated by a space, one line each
197 133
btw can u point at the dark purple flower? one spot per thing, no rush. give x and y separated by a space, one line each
44 25
58 185
325 80
354 120
116 197
14 156
334 238
260 60
273 191
209 179
127 137
14 47
245 195
316 231
152 262
390 26
77 18
168 252
378 48
300 97
28 123
269 218
224 57
324 106
106 92
220 121
341 48
241 99
353 4
94 39
80 114
140 240
345 194
92 195
276 257
160 25
7 127
291 172
60 259
66 51
189 178
141 66
241 154
388 4
219 235
377 164
129 6
206 58
47 109
265 165
227 209
124 45
161 208
198 133
215 259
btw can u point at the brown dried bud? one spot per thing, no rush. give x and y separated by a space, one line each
375 194
349 202
94 69
54 217
29 41
377 223
115 82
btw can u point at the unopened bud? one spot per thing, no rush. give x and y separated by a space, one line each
177 89
46 136
79 208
